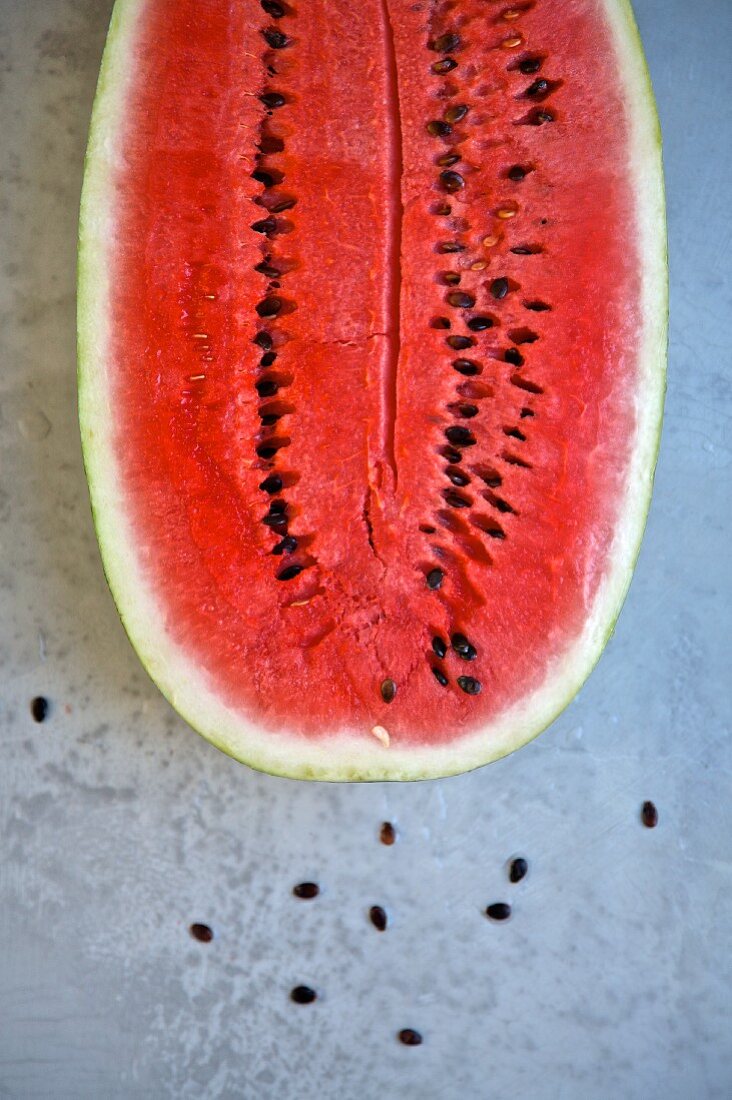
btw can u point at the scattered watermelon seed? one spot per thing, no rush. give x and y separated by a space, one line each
456 113
271 484
469 685
499 287
201 932
460 436
306 890
460 299
440 676
457 477
387 833
409 1037
513 355
388 690
39 708
517 869
378 918
451 454
435 578
303 995
480 323
466 367
649 815
499 910
459 343
439 646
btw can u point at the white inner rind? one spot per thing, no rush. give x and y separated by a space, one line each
345 755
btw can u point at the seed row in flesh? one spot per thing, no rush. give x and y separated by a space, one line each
451 180
270 338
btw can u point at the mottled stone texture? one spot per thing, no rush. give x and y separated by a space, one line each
120 826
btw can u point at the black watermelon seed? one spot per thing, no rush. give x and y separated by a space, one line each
269 307
468 411
285 203
456 113
266 450
480 323
447 160
439 646
537 88
287 545
452 181
499 910
455 500
276 40
267 359
514 433
276 520
303 995
516 173
527 412
457 477
445 66
450 246
446 43
261 176
513 355
434 579
409 1037
306 890
649 815
378 918
39 708
469 685
462 646
272 100
451 455
387 833
530 65
460 436
438 128
201 932
268 226
499 287
440 676
451 278
388 690
466 367
289 572
266 387
460 299
264 340
517 869
459 343
271 484
267 269
540 117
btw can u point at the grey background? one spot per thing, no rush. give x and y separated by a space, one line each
119 826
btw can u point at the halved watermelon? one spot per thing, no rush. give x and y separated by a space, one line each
371 332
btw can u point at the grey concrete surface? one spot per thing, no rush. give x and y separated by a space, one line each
119 826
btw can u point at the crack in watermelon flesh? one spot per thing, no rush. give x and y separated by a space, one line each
374 325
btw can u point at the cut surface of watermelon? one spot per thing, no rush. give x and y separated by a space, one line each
371 365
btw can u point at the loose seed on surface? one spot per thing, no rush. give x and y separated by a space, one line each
378 917
499 910
517 869
649 815
387 833
409 1037
39 708
303 995
434 579
306 890
388 690
201 932
469 685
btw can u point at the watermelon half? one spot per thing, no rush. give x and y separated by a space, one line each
372 325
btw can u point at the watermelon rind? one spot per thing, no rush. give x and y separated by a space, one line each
347 755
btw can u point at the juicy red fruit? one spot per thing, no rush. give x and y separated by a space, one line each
290 416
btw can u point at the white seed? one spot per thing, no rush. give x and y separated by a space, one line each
381 735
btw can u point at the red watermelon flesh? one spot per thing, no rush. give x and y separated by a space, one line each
371 325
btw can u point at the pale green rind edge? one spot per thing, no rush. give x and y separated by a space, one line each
347 756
